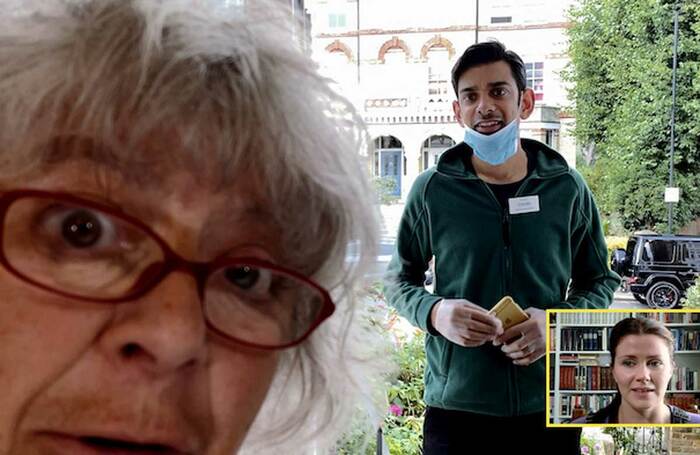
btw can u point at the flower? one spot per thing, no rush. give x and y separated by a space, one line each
395 409
584 450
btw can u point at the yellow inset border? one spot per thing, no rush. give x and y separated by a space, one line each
547 365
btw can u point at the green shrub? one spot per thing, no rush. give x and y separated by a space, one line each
590 446
692 297
403 423
384 188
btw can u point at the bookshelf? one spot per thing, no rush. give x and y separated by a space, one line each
579 360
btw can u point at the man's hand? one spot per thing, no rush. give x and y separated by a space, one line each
530 338
464 323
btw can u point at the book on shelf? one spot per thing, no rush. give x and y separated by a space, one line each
687 401
588 377
590 318
589 403
686 339
591 339
551 376
684 379
593 403
613 318
578 339
552 339
673 318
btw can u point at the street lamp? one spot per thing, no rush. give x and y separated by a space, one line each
358 42
672 194
476 28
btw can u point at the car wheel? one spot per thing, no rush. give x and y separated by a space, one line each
663 295
639 298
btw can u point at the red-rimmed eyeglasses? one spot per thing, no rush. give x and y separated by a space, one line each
84 250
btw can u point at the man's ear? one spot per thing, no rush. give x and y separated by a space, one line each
458 112
527 103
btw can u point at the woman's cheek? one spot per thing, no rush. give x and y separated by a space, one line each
240 381
42 337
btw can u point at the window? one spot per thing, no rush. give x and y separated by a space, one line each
501 19
395 56
535 78
550 138
336 20
689 252
658 251
438 74
694 252
336 59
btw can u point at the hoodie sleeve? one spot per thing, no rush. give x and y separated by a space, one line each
592 284
403 281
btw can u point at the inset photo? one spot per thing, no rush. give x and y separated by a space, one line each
607 367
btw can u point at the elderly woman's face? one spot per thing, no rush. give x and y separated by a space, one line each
642 370
80 377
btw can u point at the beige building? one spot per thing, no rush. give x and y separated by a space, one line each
394 64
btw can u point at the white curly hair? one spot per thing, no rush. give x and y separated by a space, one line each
231 83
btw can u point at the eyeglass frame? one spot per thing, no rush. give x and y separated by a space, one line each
149 279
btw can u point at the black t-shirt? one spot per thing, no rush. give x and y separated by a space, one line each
505 191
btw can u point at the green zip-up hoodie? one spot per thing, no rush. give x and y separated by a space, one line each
553 258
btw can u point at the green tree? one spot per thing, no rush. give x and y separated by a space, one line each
620 73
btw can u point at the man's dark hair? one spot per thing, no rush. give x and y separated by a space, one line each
489 52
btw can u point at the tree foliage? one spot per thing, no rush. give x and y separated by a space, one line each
621 64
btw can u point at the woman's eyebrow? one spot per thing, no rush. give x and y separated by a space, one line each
648 356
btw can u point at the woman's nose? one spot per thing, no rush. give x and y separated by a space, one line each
161 331
642 373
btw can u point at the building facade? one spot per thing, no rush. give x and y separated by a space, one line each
393 58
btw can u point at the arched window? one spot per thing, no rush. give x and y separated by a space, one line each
438 58
394 51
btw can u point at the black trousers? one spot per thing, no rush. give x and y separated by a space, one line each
447 432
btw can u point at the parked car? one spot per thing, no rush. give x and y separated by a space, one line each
658 268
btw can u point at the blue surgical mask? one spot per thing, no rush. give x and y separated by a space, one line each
494 148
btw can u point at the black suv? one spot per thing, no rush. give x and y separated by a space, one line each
658 268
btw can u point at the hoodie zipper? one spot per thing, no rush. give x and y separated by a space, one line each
507 253
505 227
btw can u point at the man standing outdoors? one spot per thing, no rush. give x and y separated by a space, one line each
501 216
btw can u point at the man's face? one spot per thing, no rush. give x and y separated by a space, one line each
642 370
488 98
80 377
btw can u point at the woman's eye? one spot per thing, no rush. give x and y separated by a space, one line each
77 228
81 229
628 363
252 280
655 363
244 277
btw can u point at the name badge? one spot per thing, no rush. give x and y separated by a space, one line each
526 204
